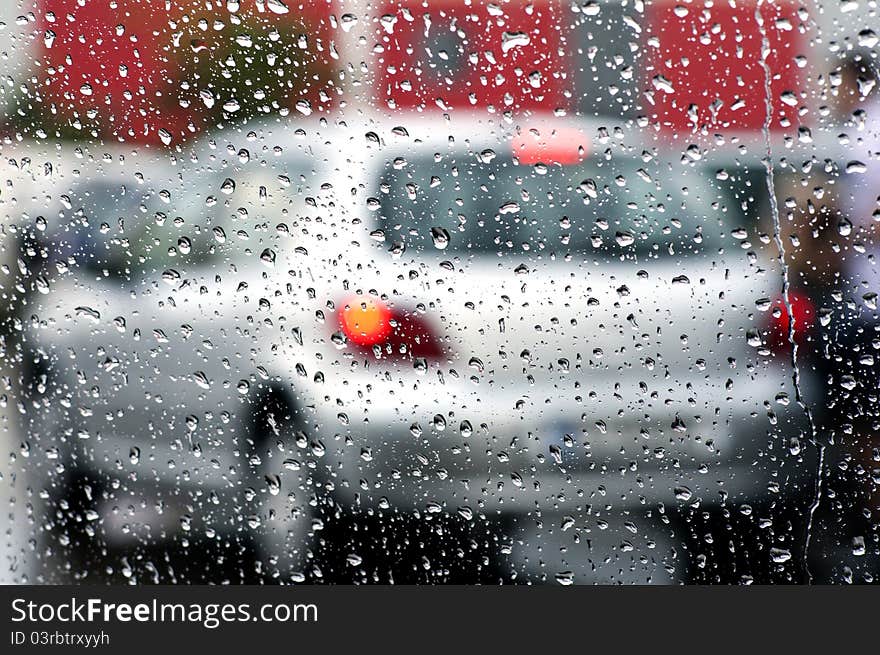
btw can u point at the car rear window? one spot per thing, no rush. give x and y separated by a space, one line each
623 209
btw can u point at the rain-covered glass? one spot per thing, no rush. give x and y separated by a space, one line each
524 291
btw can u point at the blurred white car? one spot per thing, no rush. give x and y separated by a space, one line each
544 321
551 321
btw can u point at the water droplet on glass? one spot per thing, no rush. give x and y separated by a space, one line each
440 237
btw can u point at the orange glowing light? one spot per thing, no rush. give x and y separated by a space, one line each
366 321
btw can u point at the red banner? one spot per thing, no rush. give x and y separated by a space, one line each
452 54
710 57
144 70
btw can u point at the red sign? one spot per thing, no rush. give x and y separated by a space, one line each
144 70
104 67
708 64
450 54
149 70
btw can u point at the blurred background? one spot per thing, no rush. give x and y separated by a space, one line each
232 348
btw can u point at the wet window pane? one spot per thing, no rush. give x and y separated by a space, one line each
439 292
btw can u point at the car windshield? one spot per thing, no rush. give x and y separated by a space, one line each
616 209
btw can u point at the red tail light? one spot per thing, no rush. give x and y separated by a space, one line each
776 336
365 321
369 323
550 145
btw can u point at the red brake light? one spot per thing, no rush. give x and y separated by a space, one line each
561 145
804 312
367 322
